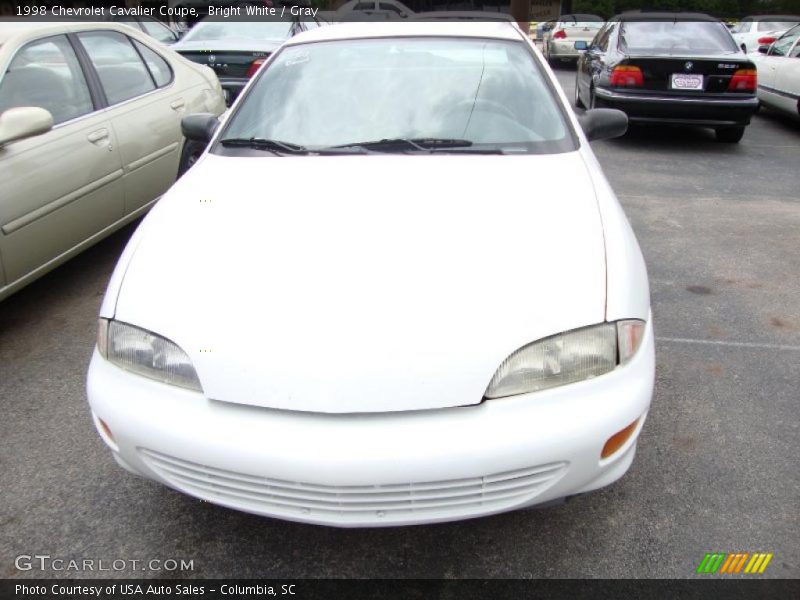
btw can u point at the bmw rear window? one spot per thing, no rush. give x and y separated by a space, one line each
675 37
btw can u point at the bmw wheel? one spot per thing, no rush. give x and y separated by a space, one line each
730 135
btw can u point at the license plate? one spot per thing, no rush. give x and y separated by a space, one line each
685 81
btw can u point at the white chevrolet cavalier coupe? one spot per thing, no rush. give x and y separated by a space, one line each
352 311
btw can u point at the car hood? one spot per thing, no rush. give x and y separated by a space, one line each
366 284
228 45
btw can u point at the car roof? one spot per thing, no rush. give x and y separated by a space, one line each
13 27
344 31
456 15
663 16
581 17
27 28
779 18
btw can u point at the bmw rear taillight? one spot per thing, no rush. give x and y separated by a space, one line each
768 39
254 67
627 76
560 35
743 80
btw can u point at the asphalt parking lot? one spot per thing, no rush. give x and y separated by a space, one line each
717 466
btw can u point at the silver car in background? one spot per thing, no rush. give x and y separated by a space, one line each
559 40
89 136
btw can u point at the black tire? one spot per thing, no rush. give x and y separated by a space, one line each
550 60
578 101
729 135
189 155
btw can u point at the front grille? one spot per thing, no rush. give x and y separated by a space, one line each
355 502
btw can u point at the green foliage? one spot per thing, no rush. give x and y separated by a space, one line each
726 9
604 8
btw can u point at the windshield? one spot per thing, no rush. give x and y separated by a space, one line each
254 30
681 37
742 27
487 92
775 25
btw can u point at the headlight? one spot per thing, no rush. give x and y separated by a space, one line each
146 354
566 358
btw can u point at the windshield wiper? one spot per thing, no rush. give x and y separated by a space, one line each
279 147
415 144
264 144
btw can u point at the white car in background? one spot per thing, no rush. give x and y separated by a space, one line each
352 312
90 135
559 40
762 30
380 9
465 15
779 74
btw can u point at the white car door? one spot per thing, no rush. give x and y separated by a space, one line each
778 73
787 78
63 187
145 108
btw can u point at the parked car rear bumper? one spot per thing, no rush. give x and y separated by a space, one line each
563 50
654 108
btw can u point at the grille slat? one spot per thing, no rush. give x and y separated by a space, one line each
378 495
408 505
349 501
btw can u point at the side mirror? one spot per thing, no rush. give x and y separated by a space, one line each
199 127
603 123
763 49
24 122
581 45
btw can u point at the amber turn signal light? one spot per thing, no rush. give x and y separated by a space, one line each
616 441
106 429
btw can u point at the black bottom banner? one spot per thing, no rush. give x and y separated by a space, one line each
303 589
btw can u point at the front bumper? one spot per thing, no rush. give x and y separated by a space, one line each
357 470
679 110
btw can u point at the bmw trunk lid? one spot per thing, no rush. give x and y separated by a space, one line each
713 73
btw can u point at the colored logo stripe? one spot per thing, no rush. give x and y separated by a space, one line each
733 563
711 563
758 563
